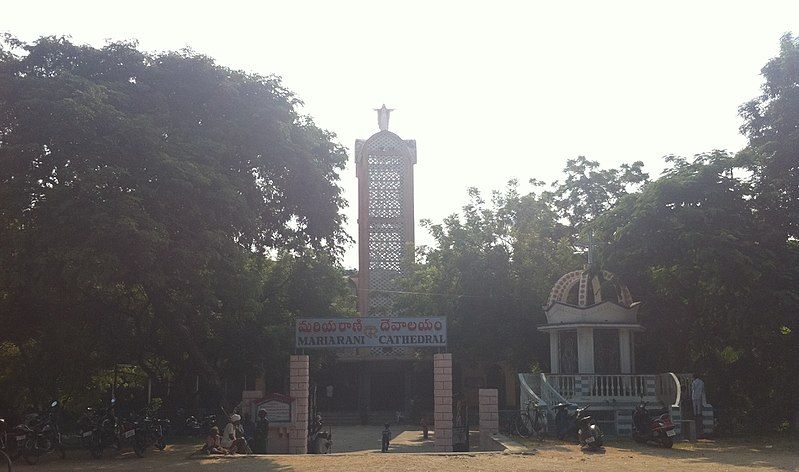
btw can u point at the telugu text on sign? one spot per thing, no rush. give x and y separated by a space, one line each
371 332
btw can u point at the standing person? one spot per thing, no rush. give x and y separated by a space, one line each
259 445
698 400
425 429
386 438
230 439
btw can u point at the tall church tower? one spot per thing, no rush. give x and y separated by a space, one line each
384 166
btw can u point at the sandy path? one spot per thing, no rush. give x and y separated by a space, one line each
550 456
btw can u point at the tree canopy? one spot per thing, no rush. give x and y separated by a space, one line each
139 196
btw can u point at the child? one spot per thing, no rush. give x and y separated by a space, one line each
425 429
213 444
386 438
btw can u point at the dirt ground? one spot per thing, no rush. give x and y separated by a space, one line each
761 455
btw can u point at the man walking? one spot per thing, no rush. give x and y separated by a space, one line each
698 400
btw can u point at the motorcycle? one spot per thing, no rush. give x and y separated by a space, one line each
198 428
580 424
152 432
588 433
133 432
100 429
15 439
657 428
43 438
108 430
564 422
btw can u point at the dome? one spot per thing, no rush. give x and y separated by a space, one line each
585 288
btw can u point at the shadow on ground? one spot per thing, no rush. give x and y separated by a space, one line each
728 453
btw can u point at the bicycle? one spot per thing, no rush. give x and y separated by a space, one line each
530 422
3 456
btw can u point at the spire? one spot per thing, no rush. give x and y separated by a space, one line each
591 250
383 115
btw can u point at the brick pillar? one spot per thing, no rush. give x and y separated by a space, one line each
489 414
298 390
442 395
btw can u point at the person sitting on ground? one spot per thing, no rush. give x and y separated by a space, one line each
213 442
386 437
231 439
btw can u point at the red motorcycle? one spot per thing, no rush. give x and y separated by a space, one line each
657 428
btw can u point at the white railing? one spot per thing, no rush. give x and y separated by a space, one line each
527 384
548 392
588 386
563 384
668 388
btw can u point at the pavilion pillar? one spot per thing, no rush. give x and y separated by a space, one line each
554 360
298 390
585 350
625 354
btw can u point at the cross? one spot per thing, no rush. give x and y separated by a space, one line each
591 246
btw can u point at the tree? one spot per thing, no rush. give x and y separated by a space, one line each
771 122
719 294
587 191
489 273
138 193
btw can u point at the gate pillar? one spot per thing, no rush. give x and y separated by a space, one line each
298 390
489 414
442 395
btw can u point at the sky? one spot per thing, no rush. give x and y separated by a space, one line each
491 90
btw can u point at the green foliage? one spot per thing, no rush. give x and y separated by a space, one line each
771 122
490 273
586 190
718 285
139 195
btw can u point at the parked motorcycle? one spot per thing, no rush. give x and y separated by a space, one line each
199 428
132 432
564 421
588 433
3 454
43 437
88 423
581 424
657 428
152 432
15 438
104 428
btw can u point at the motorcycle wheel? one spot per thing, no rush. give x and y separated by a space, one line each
139 447
15 451
96 446
562 426
598 443
6 459
666 442
31 452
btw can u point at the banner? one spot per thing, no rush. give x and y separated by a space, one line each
371 331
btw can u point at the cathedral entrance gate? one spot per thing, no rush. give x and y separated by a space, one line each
362 335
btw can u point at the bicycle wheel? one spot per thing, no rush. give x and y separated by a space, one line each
524 425
4 457
538 426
